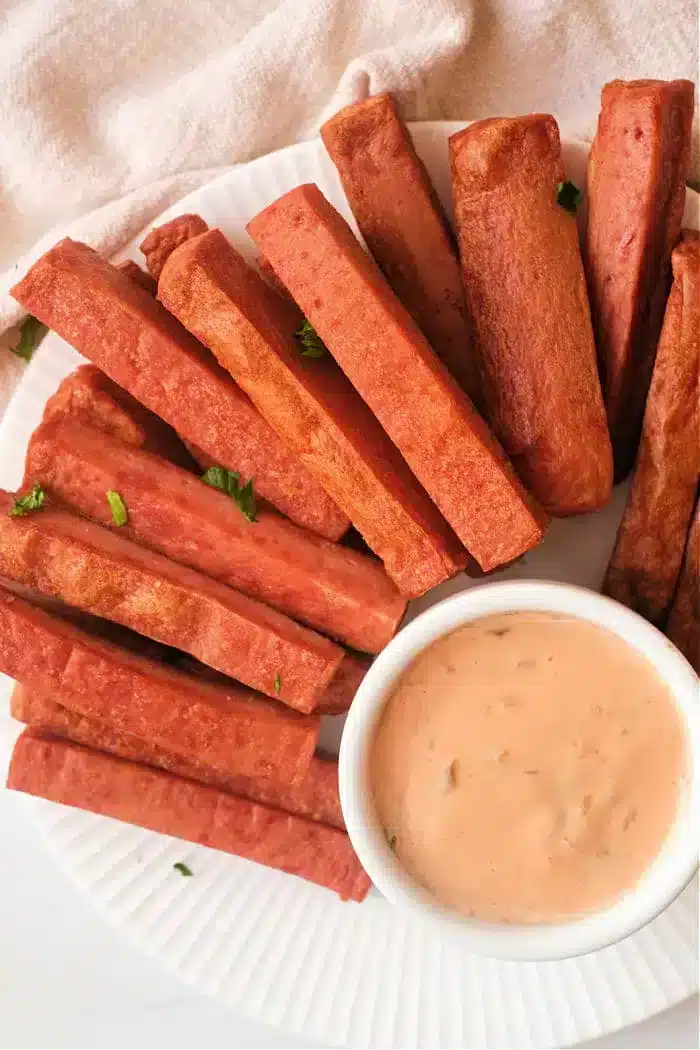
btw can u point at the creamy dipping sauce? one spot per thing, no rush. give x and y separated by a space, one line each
527 766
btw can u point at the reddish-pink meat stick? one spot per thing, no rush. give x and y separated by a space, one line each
228 727
101 571
316 796
336 590
432 422
115 323
403 222
637 169
310 403
64 772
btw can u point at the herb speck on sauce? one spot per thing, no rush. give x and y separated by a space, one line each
390 841
629 819
451 776
498 632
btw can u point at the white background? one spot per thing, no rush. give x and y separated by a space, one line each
67 979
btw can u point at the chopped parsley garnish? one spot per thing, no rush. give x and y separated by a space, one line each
313 345
391 840
569 196
118 508
182 868
30 335
278 683
228 481
33 500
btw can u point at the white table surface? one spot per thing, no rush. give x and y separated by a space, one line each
67 979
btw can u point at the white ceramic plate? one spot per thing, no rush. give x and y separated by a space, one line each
285 952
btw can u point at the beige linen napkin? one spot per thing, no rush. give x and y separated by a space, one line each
110 110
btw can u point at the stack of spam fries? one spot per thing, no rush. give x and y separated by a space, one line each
178 631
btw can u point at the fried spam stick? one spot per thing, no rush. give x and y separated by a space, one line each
164 239
336 699
134 271
648 553
405 227
422 552
637 170
103 572
432 422
115 323
329 587
265 269
526 294
64 772
315 797
310 403
229 728
684 621
342 688
90 395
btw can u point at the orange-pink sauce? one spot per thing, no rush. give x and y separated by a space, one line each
526 767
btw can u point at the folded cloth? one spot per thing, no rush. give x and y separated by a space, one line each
110 112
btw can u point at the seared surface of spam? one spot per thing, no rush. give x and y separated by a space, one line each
115 323
64 772
315 797
158 245
313 407
135 273
88 394
103 572
336 590
390 363
342 688
405 227
531 318
228 728
637 169
684 622
648 553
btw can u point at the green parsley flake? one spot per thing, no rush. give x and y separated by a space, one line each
569 196
278 683
33 500
228 481
182 868
118 508
30 335
313 345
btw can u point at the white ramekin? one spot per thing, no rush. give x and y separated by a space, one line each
669 873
